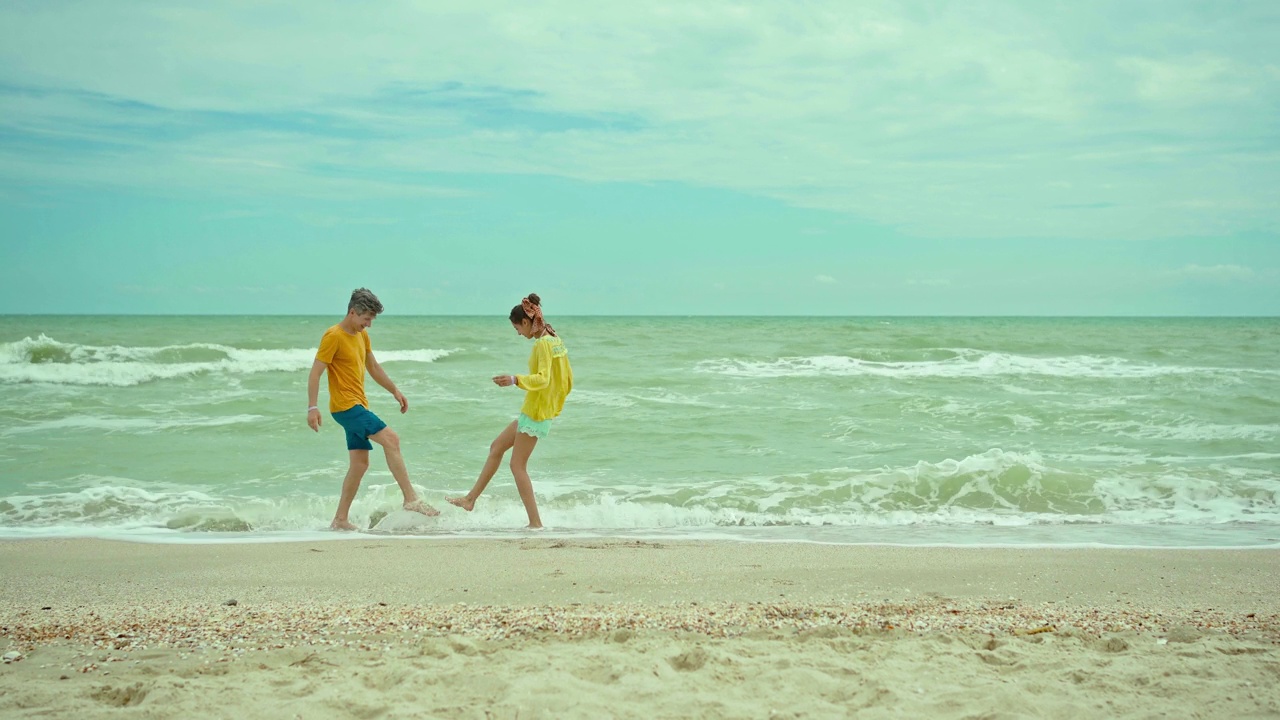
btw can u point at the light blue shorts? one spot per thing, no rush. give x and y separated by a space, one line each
533 428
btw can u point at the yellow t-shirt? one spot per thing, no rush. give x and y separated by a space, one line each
345 355
550 379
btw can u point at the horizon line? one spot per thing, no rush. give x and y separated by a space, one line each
385 315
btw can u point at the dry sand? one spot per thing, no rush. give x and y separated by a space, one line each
543 628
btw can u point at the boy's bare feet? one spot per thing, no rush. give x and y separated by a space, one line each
463 503
420 507
342 525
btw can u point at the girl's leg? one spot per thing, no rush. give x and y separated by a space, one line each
497 449
350 484
524 445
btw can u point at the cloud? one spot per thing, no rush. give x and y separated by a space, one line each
231 215
1189 80
1214 274
984 119
824 279
328 221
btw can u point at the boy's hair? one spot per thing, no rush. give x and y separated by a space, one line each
363 301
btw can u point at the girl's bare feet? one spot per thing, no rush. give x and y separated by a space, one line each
420 507
462 502
342 525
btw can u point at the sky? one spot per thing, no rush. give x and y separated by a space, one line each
777 158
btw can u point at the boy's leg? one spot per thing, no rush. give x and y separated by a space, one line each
497 449
390 443
350 484
519 468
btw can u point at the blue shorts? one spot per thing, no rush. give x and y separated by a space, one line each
359 423
533 428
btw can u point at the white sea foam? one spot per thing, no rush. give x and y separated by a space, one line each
45 360
993 489
966 363
104 505
667 397
655 396
603 399
137 425
1184 429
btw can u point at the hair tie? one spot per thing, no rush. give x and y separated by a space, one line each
534 313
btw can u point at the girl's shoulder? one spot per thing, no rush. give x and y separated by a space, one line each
555 344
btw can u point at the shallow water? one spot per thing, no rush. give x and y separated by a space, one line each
1045 431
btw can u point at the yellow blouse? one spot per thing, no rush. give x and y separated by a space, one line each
550 379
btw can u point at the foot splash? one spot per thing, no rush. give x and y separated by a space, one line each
420 507
462 502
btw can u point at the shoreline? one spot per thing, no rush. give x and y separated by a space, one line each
533 570
607 628
1014 537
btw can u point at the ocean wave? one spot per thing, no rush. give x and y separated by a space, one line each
994 488
962 363
45 360
603 399
1187 430
654 396
136 425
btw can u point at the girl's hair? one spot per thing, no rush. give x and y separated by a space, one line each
519 314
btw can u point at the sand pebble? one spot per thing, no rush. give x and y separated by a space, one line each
207 631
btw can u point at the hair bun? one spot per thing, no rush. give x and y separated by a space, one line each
533 298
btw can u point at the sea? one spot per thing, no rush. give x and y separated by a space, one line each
950 431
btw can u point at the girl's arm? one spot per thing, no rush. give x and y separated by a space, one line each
541 377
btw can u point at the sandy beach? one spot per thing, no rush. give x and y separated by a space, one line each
546 628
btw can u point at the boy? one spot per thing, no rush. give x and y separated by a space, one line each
346 353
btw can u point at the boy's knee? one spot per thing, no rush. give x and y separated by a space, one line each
360 464
389 439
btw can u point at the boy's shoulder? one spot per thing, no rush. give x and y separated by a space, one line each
338 335
337 330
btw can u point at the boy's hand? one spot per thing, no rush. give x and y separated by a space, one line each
313 419
404 402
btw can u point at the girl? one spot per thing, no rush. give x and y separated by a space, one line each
549 381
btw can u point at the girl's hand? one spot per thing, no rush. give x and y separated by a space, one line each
504 380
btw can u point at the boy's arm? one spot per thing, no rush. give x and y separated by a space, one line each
313 394
380 376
